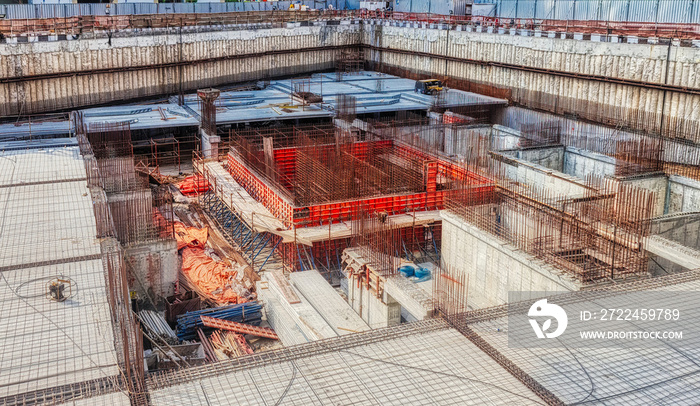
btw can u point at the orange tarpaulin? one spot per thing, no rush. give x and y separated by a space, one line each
190 236
193 185
213 278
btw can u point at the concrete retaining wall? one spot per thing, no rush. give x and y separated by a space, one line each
657 183
683 195
156 267
581 163
548 157
141 51
641 62
494 267
683 229
543 178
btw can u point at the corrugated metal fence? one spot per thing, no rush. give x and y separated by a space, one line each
25 11
659 11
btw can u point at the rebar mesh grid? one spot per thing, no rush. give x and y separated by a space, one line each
636 151
138 214
306 91
634 154
346 107
56 351
350 61
378 241
353 369
662 375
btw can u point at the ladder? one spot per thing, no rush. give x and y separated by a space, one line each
239 327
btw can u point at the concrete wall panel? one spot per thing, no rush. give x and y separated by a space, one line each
495 268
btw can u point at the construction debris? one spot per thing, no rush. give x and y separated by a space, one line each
229 345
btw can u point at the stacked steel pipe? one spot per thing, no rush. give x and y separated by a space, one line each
188 323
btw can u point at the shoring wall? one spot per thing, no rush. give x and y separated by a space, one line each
103 70
493 57
545 73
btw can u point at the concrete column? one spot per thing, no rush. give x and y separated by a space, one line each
269 156
210 144
449 140
377 312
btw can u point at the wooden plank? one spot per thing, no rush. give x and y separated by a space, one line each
285 288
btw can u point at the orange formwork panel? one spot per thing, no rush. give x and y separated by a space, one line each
259 191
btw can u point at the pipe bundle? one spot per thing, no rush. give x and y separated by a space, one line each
188 323
156 324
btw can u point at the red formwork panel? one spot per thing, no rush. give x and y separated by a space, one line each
260 191
285 158
396 204
322 214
